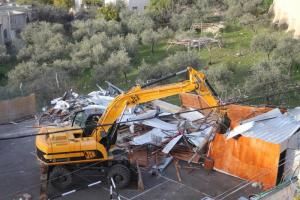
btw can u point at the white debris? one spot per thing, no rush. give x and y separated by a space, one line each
166 161
167 107
61 105
54 101
147 138
240 129
171 144
100 100
75 95
199 138
95 107
192 116
157 123
149 120
133 117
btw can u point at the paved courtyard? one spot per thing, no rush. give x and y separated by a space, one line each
19 174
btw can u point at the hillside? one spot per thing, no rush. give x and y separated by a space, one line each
253 57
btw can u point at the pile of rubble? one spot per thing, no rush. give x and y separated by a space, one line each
158 135
202 42
63 108
154 133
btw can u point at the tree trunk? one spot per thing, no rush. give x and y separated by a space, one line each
209 51
125 76
290 69
152 47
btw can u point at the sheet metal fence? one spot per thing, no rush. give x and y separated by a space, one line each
17 108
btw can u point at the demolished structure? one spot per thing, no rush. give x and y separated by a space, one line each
260 145
199 43
62 109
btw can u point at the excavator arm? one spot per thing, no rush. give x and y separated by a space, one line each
65 148
141 94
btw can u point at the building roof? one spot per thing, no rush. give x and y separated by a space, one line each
272 126
14 9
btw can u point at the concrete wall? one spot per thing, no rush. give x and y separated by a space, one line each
292 164
18 21
287 12
12 20
18 108
110 1
138 5
5 28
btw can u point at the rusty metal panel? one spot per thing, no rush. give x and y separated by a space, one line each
17 108
247 158
192 101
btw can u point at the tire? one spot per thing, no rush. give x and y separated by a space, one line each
121 175
60 177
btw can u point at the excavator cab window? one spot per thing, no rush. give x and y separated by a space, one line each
79 119
86 121
91 124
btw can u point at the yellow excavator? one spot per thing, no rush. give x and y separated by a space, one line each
96 135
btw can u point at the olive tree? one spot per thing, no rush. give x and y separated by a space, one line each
151 37
117 64
173 63
44 42
139 22
222 79
185 19
265 78
287 54
41 79
264 43
131 43
161 10
86 29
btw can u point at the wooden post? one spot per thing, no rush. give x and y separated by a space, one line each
44 182
177 170
140 178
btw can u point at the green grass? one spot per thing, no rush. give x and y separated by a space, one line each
161 51
236 40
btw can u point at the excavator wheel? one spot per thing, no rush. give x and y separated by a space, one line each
121 175
60 177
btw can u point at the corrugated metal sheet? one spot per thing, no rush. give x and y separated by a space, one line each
295 113
268 115
275 130
273 126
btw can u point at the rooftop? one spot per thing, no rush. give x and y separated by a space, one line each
14 8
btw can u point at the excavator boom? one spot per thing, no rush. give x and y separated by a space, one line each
94 144
141 94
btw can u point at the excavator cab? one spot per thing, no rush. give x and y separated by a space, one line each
87 119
